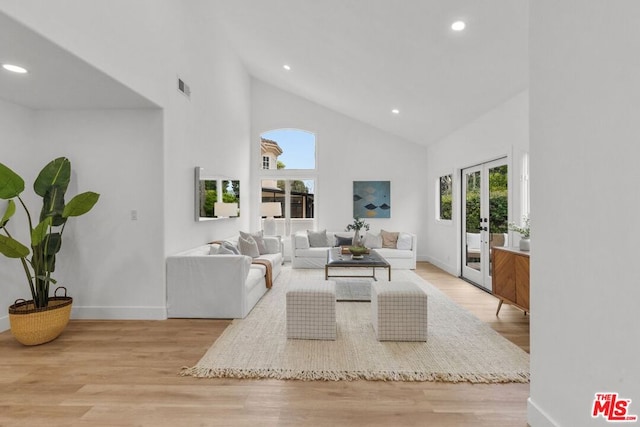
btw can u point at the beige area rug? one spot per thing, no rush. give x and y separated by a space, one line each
459 346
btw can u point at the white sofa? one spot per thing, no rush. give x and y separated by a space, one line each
200 285
305 256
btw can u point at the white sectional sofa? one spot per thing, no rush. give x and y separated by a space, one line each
304 255
201 285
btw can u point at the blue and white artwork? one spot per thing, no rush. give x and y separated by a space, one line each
372 199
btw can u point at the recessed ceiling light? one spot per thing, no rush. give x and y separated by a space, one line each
14 68
395 111
458 26
286 67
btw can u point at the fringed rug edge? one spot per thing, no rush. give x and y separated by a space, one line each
303 375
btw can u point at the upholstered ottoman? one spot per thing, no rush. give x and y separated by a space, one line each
399 311
311 311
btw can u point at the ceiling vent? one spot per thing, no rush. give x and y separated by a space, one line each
184 88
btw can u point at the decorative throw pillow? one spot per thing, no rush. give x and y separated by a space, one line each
343 241
231 247
318 239
257 236
404 241
248 247
213 249
372 240
389 239
224 251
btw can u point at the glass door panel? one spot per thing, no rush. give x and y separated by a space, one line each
498 210
472 220
472 228
485 214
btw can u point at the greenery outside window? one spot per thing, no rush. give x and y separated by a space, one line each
445 193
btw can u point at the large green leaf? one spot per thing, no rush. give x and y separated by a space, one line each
80 204
50 263
53 243
53 205
12 248
40 232
11 185
50 244
8 213
57 172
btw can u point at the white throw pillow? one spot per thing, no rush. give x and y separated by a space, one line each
248 247
257 236
213 249
404 241
231 247
372 240
225 251
318 239
302 241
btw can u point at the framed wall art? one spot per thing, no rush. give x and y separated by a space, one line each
372 199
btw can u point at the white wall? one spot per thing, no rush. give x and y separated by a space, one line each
585 100
146 52
500 132
211 130
348 150
105 148
16 133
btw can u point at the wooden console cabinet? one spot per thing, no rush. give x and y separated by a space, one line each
510 279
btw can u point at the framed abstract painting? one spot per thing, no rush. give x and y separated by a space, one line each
372 199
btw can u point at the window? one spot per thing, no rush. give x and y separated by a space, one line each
297 199
288 177
291 148
445 197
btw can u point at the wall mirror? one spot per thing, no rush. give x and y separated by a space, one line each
216 196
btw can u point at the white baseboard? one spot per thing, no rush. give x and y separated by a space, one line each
119 313
536 417
107 313
441 265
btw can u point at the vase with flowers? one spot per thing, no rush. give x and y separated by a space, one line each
357 225
525 232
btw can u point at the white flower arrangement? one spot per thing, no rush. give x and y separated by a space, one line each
524 230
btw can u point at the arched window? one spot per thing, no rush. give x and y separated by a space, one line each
288 177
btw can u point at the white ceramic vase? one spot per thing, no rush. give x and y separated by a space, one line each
525 244
357 239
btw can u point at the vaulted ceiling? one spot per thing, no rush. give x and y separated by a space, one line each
364 58
58 79
361 58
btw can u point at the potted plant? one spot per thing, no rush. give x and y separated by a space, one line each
525 232
357 225
43 317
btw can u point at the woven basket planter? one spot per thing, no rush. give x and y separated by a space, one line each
33 326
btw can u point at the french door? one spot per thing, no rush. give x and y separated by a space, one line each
485 218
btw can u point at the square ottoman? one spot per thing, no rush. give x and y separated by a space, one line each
399 311
311 311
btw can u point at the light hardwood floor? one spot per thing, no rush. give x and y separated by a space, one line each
124 373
